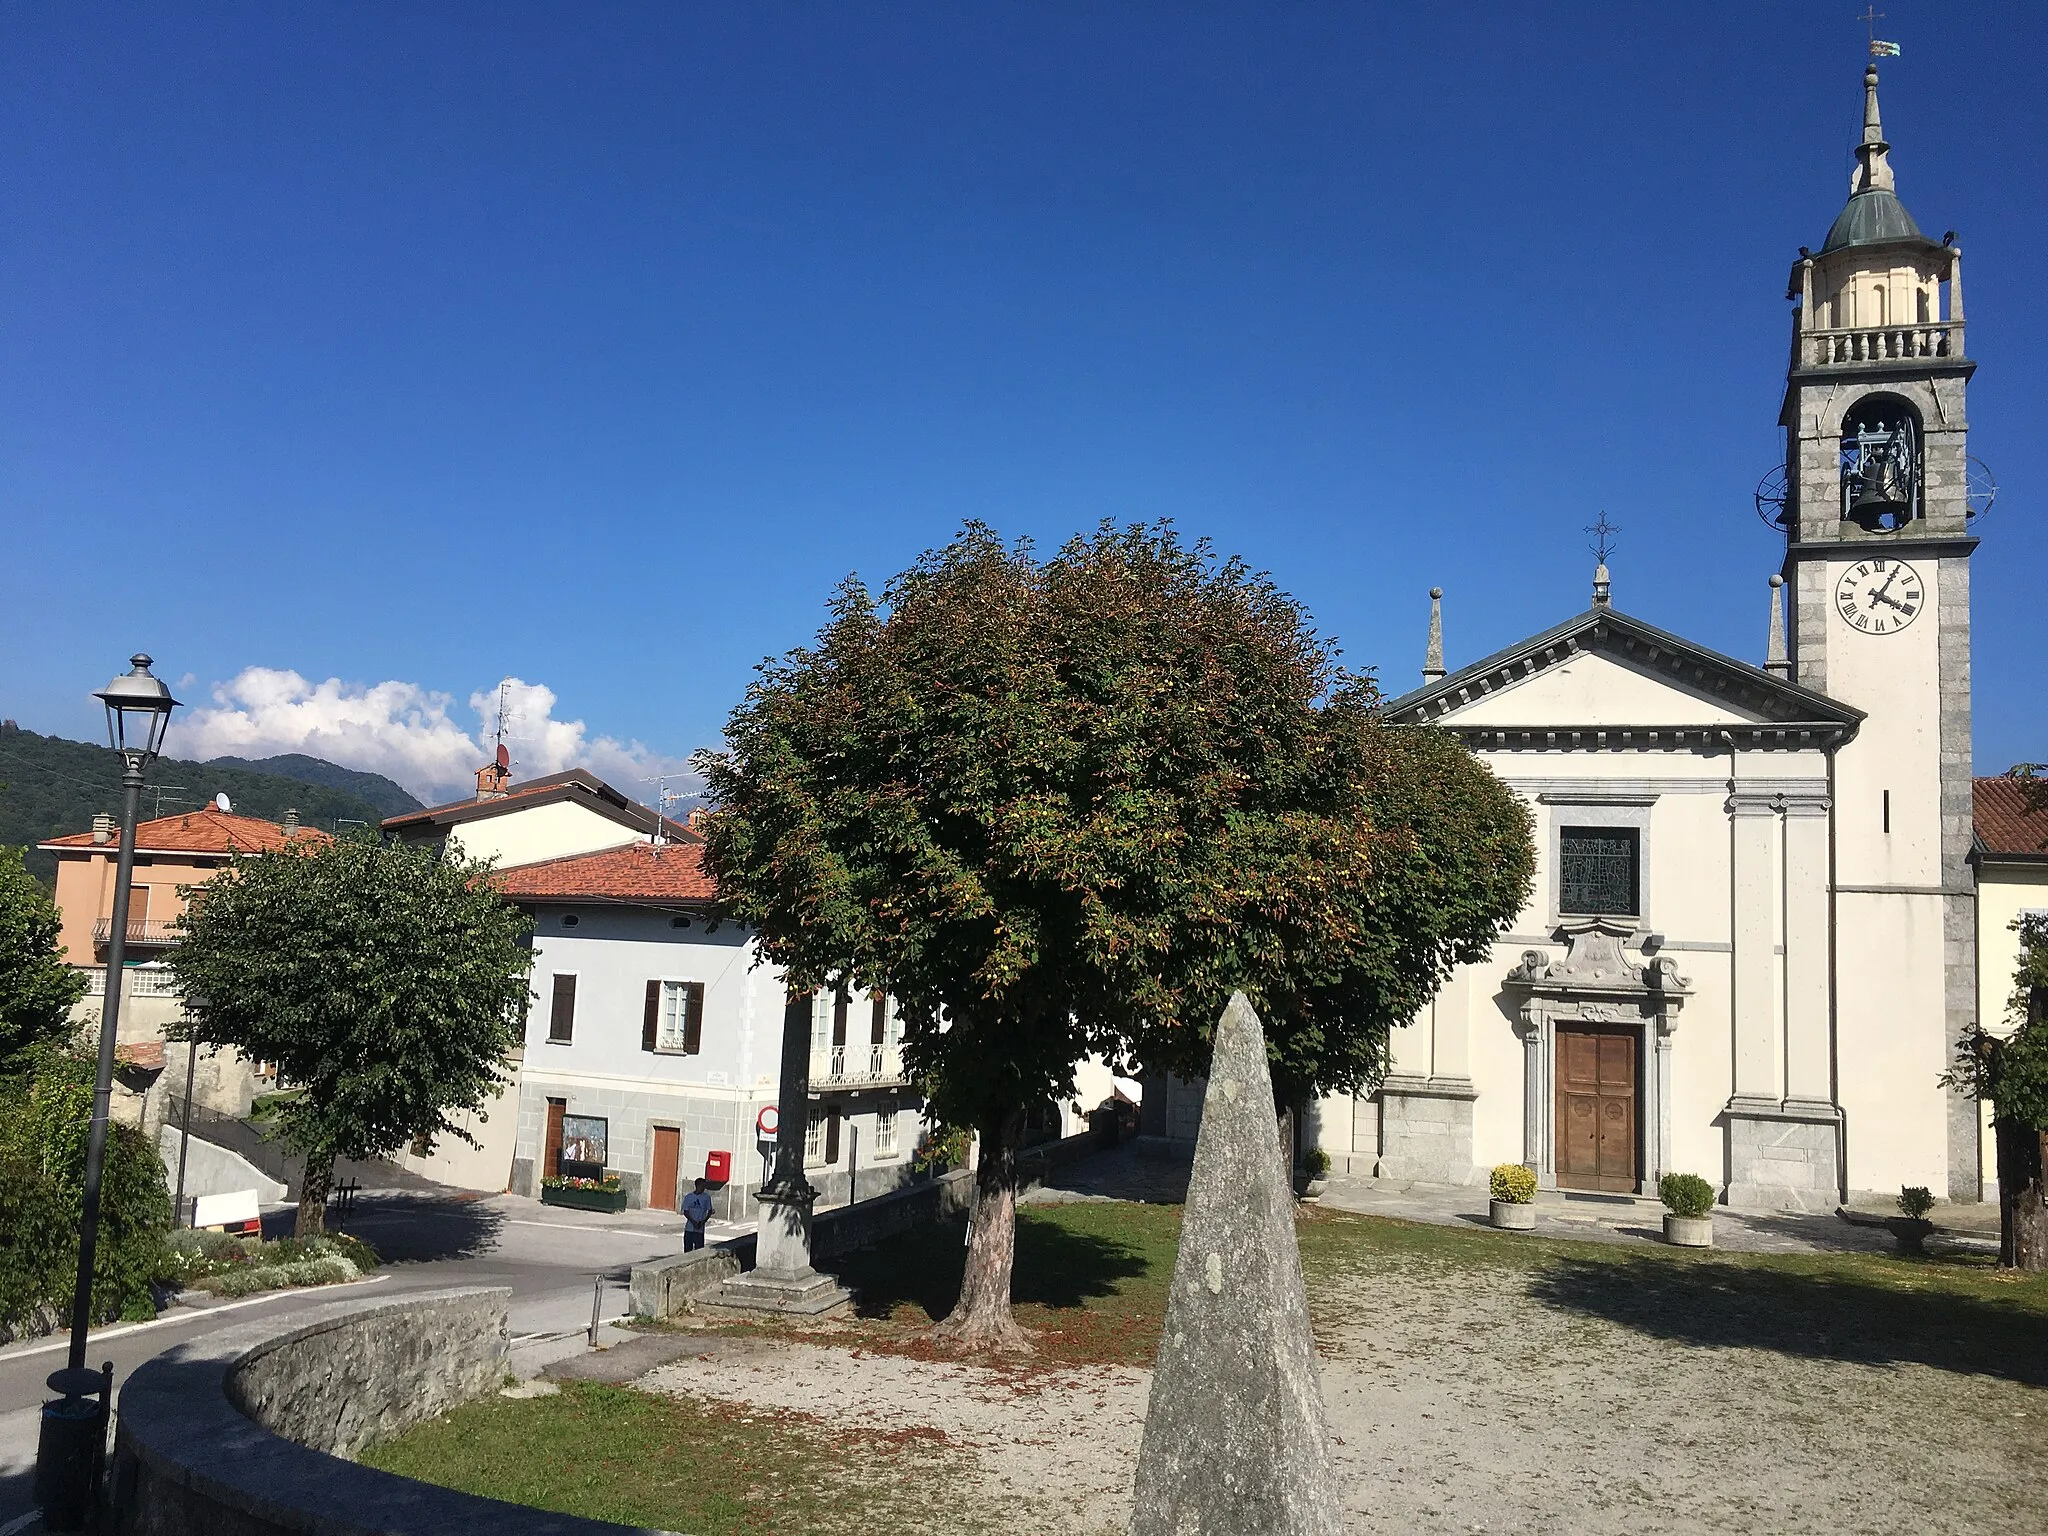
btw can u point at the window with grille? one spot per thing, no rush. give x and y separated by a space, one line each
885 1133
1599 872
814 1142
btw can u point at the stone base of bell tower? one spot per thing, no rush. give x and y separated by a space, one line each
1783 1155
1426 1129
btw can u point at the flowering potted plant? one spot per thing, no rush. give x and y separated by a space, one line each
1513 1188
1688 1217
1911 1226
583 1194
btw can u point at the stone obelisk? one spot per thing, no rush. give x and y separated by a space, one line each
1235 1440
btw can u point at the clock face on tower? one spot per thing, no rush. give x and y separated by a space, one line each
1880 596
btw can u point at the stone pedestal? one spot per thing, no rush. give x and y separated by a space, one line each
1783 1155
782 1279
1426 1129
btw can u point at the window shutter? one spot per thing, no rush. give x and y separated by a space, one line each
693 1017
562 1015
839 1003
650 1021
879 1033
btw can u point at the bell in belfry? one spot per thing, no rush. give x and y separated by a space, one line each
1879 466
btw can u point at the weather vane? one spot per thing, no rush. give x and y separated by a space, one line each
1603 537
1878 49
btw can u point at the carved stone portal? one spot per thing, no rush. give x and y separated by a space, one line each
1595 983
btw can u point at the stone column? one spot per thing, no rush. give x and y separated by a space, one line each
1755 897
1809 1057
782 1279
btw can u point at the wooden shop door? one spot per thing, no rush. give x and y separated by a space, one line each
551 1153
1596 1109
668 1162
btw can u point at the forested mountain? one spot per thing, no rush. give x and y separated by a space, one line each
50 787
391 799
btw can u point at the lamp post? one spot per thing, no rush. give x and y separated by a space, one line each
73 1438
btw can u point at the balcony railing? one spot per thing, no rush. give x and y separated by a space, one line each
141 931
138 981
1881 344
856 1066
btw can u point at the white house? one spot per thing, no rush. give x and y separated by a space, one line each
654 1042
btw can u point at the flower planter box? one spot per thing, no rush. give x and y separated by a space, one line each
585 1199
1689 1231
1512 1215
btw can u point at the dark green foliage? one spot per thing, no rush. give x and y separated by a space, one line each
389 799
387 983
50 787
1915 1200
1686 1194
1072 806
37 989
45 1116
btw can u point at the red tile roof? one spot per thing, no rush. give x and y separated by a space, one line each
2012 816
146 1055
205 831
578 786
634 873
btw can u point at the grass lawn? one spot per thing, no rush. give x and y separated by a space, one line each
611 1453
1092 1281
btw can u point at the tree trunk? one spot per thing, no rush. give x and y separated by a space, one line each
981 1319
2022 1200
313 1187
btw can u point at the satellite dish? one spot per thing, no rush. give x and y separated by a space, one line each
220 802
504 756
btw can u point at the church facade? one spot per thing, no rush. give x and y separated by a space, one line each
1751 945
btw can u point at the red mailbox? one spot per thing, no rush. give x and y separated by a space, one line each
717 1167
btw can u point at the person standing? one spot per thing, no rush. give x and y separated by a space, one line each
696 1212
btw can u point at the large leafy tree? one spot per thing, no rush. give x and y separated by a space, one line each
37 989
1066 807
387 983
2011 1070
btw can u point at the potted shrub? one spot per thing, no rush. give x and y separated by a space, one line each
1513 1204
1911 1225
1315 1167
1689 1203
584 1194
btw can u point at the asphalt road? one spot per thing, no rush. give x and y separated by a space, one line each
553 1260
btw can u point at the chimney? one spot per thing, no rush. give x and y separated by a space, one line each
103 826
492 778
695 820
291 820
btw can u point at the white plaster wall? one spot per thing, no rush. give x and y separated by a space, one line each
487 1166
614 953
1889 1046
539 832
1595 689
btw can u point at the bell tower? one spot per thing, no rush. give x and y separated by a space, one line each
1878 543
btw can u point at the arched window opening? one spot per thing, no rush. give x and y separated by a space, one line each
1881 464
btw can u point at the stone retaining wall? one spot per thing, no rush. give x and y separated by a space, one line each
242 1433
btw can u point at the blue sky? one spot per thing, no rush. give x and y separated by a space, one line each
415 347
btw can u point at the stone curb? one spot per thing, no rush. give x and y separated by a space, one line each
213 1468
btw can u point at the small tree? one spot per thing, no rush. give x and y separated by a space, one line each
2012 1072
1065 808
387 983
37 989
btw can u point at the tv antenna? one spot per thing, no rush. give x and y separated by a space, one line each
504 711
664 797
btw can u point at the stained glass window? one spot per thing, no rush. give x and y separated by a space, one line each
1598 872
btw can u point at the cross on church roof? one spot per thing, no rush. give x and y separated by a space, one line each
1603 537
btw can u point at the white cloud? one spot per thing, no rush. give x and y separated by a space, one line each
409 733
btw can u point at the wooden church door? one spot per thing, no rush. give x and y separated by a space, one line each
1596 1109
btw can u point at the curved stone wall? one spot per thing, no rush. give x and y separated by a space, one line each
243 1433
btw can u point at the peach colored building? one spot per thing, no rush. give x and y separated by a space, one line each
171 851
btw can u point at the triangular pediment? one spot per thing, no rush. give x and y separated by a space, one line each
1604 674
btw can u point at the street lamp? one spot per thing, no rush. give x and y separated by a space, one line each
74 1427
